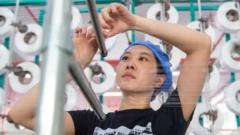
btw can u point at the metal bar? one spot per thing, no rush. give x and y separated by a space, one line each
180 1
2 78
80 78
40 22
86 10
7 42
96 24
81 10
192 11
31 14
50 112
133 9
44 2
193 7
199 3
101 98
238 120
218 42
41 17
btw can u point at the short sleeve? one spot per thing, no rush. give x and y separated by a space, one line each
84 122
174 102
173 105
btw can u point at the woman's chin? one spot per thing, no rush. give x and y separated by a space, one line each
128 88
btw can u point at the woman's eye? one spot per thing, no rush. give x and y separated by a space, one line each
124 58
143 59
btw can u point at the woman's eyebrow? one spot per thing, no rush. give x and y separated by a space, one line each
145 53
127 53
141 53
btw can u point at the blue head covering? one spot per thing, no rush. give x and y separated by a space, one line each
162 59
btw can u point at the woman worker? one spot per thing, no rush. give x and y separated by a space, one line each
143 71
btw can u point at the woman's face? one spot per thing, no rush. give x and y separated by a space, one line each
137 70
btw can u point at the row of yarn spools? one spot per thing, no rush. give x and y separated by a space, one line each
220 97
227 20
30 35
33 36
29 42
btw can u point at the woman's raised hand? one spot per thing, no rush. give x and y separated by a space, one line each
85 45
116 19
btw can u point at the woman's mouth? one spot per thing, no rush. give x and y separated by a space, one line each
128 76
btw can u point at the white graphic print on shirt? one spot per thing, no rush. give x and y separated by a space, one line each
122 130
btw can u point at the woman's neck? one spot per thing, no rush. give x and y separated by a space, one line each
135 101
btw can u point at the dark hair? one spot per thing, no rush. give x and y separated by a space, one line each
160 69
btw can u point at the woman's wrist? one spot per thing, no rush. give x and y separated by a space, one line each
136 25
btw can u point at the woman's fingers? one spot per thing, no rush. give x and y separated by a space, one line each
77 31
106 15
109 33
118 8
84 31
90 32
103 23
113 10
109 14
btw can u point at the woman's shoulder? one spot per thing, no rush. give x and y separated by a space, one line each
173 99
81 113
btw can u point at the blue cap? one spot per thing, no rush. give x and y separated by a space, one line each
163 59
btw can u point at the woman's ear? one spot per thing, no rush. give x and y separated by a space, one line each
160 78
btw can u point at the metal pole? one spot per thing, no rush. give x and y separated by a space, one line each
133 8
192 11
96 24
50 113
80 78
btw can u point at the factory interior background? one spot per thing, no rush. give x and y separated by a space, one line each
218 109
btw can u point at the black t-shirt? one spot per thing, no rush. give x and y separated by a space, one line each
168 120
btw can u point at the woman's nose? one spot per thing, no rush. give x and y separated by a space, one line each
130 65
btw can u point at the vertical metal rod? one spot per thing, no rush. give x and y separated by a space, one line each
40 22
128 33
50 111
199 8
192 11
163 13
203 20
96 24
133 8
80 78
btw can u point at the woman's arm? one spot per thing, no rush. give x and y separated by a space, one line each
193 71
116 18
195 44
23 113
186 39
